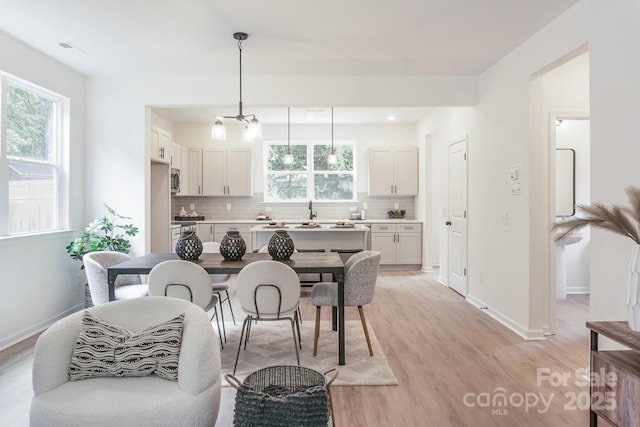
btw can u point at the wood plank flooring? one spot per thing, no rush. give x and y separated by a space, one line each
452 361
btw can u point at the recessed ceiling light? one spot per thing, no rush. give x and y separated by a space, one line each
391 117
69 45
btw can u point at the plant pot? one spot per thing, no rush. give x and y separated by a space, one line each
189 246
232 246
280 245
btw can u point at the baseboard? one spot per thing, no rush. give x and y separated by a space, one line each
577 290
22 335
528 334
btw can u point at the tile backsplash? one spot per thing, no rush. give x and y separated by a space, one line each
246 208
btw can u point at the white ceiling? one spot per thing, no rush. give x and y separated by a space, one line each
286 37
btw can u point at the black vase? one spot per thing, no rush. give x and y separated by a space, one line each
232 246
280 245
189 246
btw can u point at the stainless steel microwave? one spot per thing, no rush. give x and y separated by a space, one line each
175 181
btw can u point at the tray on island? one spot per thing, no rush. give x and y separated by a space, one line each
189 218
308 226
275 226
343 226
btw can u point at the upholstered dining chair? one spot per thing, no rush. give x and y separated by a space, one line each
219 285
361 273
186 280
105 401
126 286
268 290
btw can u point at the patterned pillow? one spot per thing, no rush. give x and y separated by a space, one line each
106 350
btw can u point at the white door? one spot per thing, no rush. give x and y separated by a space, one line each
457 222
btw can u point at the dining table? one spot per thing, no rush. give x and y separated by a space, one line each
214 263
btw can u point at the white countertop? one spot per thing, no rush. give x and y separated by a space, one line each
298 221
322 228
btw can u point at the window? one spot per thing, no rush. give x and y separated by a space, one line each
30 153
309 177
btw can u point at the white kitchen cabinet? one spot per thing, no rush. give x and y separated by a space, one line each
227 172
175 235
160 144
205 231
398 243
176 156
393 171
193 175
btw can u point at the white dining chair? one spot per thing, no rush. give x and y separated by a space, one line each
185 280
126 286
219 285
268 290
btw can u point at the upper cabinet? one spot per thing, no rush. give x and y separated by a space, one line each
393 171
176 156
227 172
193 175
160 144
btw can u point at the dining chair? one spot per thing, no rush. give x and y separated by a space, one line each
220 285
268 290
126 285
186 280
361 274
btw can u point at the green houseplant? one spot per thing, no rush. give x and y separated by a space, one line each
103 234
622 220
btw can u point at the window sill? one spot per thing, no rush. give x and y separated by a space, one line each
36 237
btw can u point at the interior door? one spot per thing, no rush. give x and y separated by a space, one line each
457 222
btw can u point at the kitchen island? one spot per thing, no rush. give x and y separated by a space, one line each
321 237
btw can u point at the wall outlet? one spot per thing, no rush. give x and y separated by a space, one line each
504 218
228 206
364 206
352 208
192 206
396 206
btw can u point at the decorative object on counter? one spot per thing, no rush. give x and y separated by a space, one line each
280 245
189 246
182 211
623 220
233 246
189 218
396 214
262 217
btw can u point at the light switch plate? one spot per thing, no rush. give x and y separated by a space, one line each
228 206
396 206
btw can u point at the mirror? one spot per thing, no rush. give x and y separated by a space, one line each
565 182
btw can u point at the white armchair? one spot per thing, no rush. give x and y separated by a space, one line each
193 400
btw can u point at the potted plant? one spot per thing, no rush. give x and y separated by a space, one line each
396 214
622 220
103 234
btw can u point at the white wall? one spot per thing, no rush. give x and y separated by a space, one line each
40 283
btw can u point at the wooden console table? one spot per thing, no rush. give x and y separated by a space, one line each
618 400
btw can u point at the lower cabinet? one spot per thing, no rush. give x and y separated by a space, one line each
205 231
175 235
398 243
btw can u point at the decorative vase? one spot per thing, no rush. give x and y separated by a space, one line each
280 245
189 246
633 291
232 246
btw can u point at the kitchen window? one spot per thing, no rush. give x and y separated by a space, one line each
31 138
310 176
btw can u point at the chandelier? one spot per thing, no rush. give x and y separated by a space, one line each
252 130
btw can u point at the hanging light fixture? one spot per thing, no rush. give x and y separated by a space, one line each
252 130
288 157
332 158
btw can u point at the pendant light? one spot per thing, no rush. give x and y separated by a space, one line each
332 158
288 157
252 130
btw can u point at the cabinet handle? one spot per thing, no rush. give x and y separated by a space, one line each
395 189
391 188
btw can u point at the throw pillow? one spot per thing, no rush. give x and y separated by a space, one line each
103 349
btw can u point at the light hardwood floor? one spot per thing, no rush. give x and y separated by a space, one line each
448 356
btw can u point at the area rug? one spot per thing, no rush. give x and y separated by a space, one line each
271 343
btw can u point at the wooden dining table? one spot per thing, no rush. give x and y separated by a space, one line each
214 263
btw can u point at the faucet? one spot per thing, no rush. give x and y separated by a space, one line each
311 214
